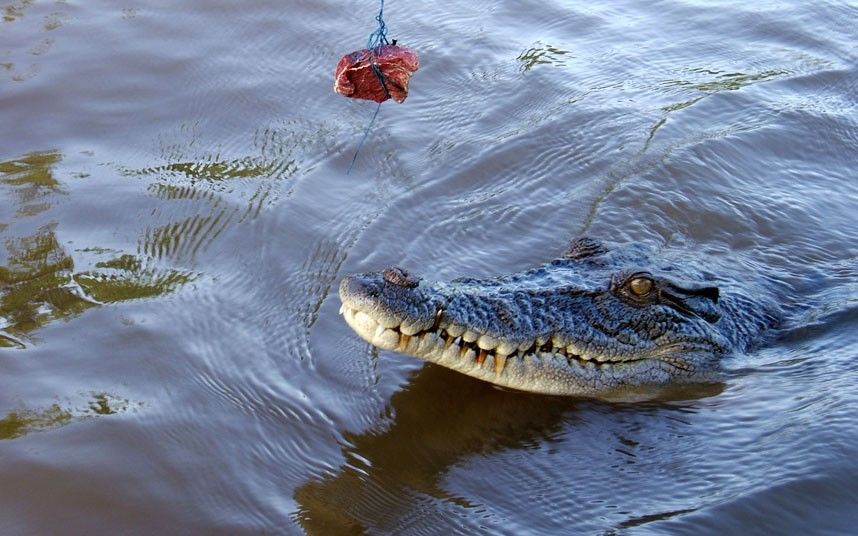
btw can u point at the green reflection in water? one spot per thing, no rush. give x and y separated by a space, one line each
30 37
15 10
31 180
125 278
186 236
39 282
36 285
680 105
201 178
21 422
722 82
542 54
727 81
220 170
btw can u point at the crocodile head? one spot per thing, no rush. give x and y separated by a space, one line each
592 323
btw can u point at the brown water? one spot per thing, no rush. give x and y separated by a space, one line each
175 216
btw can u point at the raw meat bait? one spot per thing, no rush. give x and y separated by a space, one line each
376 74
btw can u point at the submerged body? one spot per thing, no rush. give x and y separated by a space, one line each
595 322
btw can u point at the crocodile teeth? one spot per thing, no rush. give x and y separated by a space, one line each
505 348
387 339
403 341
413 345
487 342
364 323
422 338
455 330
470 336
571 349
429 343
500 364
439 317
410 328
602 358
450 353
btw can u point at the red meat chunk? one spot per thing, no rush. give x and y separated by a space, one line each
355 77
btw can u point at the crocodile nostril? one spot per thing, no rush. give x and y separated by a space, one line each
398 276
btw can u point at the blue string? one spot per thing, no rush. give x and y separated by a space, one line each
363 138
379 36
376 39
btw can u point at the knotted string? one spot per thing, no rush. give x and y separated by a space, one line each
379 36
376 39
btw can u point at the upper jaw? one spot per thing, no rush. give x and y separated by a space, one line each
419 325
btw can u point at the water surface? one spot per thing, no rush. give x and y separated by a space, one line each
175 217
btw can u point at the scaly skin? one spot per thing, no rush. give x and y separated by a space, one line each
593 323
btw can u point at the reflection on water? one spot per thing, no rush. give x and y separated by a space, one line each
19 423
126 278
186 234
37 285
219 170
715 81
542 54
712 82
19 62
23 421
31 181
39 281
441 419
202 177
14 10
40 284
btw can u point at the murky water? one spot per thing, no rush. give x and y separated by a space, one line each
175 216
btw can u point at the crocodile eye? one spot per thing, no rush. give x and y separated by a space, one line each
640 286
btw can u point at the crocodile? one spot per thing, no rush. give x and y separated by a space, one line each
599 321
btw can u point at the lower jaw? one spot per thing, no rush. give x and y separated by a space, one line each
539 372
